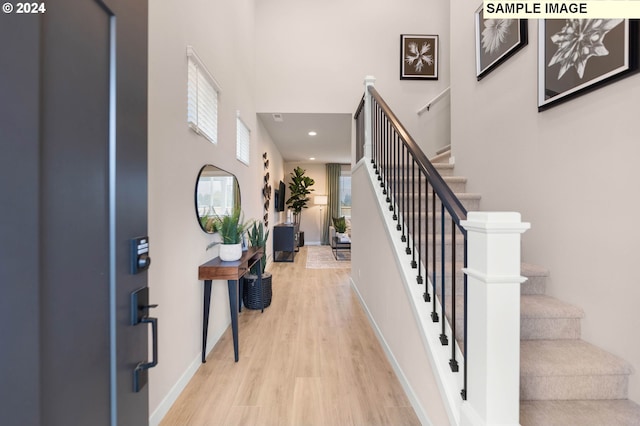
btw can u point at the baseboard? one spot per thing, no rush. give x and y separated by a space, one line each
406 386
167 402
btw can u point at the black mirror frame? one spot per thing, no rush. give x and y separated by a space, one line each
195 193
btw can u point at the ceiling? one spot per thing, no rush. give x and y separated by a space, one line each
332 144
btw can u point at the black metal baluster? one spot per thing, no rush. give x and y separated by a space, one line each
378 143
463 393
394 178
373 127
434 314
443 334
383 149
387 160
405 213
419 277
426 296
452 362
413 213
396 198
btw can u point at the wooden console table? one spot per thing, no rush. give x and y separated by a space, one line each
215 269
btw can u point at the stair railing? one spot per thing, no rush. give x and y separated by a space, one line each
429 104
425 209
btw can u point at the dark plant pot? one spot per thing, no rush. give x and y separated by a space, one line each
251 293
300 239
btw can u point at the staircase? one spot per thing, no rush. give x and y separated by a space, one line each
563 379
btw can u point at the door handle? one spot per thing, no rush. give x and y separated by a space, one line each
140 372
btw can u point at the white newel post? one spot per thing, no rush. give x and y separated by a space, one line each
493 309
368 81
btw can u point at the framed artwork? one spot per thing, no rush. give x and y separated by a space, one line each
418 57
579 55
496 41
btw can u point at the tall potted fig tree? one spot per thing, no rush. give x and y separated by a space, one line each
300 188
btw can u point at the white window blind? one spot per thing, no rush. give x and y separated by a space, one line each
202 94
243 142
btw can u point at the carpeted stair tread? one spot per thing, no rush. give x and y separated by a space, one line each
570 370
579 413
441 158
536 282
541 306
568 357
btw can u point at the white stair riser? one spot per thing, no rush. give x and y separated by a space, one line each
574 387
534 285
549 328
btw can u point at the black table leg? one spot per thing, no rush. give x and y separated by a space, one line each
261 289
241 290
205 317
233 307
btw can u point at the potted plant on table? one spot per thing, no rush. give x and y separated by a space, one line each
231 229
251 295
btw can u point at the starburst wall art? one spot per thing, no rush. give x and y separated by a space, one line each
496 41
578 55
418 57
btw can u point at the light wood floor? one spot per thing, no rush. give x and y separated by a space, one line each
310 359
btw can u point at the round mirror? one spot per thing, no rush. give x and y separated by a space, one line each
217 194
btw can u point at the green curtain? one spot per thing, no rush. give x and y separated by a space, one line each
236 195
333 199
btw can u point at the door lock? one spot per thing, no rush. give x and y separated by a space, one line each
140 259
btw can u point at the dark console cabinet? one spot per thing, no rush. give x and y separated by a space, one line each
285 242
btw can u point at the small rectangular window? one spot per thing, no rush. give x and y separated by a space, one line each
243 141
345 193
202 98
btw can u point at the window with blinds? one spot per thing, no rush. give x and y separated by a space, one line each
202 95
243 141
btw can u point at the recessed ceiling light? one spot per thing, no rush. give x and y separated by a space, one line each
312 133
312 158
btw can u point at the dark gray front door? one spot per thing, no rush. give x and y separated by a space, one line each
73 95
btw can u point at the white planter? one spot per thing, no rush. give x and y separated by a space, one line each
230 252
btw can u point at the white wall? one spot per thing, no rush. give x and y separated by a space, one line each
310 222
572 172
225 42
313 57
380 285
276 173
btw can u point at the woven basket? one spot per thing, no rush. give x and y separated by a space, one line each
251 293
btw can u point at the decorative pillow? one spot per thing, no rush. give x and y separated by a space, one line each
343 238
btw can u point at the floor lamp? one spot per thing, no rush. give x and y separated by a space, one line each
321 200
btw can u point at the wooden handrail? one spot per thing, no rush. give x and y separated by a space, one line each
433 101
446 195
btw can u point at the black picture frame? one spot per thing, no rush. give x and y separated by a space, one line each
419 57
612 54
496 41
